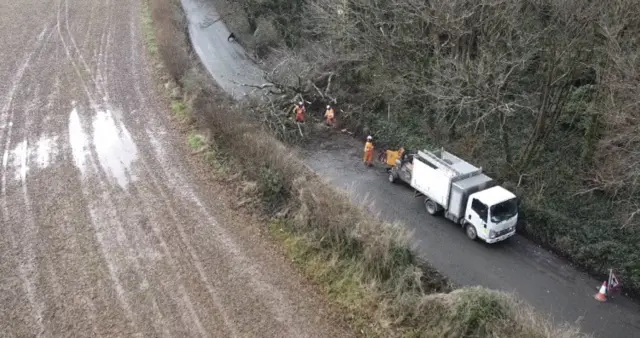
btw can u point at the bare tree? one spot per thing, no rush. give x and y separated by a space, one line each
499 74
617 154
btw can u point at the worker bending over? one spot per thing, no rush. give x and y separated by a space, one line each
330 116
299 110
368 151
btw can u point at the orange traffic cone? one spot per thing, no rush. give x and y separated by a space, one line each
602 294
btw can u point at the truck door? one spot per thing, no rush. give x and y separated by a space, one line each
477 215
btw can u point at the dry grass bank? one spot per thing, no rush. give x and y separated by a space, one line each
364 265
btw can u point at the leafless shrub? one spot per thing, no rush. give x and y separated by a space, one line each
617 148
171 39
265 37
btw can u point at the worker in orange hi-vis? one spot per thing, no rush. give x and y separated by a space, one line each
368 151
299 109
330 116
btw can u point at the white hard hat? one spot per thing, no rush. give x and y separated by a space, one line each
369 137
328 106
300 103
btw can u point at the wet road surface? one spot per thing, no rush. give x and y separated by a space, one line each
230 66
108 226
518 265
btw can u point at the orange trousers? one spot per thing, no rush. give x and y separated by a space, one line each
368 157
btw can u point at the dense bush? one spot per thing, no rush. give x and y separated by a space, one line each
167 37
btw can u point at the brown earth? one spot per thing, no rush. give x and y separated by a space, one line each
109 227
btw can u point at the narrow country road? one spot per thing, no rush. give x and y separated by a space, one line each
107 226
549 283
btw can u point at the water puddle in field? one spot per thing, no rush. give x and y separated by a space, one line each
79 141
18 159
115 147
45 151
103 137
25 155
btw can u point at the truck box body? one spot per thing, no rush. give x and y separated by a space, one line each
447 180
431 181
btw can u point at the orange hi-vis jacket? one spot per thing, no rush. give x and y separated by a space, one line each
299 110
368 147
368 153
330 114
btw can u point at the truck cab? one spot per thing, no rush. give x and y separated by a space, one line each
491 215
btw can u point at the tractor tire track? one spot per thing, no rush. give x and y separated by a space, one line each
107 227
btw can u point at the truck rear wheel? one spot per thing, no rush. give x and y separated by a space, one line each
431 206
471 232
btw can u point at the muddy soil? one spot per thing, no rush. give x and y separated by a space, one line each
108 226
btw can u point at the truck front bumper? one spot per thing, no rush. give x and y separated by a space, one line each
501 238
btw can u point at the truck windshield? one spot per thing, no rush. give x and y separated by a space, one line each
504 211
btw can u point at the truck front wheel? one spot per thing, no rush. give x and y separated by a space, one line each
471 232
431 206
392 177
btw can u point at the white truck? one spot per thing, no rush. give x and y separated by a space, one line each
462 191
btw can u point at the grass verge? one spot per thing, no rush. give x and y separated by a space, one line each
364 265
